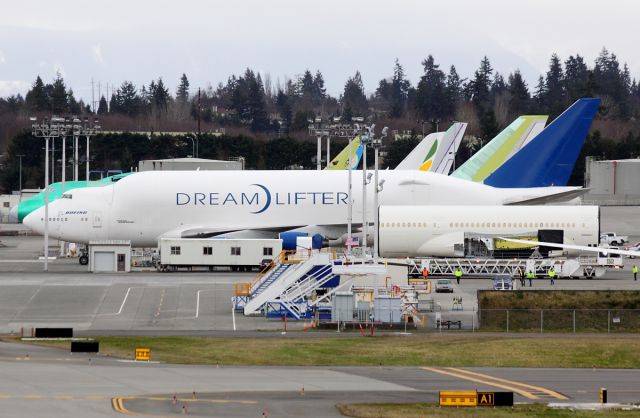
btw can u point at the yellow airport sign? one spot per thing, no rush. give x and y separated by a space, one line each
463 398
486 399
143 354
458 398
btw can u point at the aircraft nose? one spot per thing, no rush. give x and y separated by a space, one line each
13 215
32 221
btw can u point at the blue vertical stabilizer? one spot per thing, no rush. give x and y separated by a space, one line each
549 158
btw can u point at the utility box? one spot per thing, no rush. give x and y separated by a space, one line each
110 256
342 307
387 309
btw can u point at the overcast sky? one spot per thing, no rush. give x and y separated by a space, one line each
141 40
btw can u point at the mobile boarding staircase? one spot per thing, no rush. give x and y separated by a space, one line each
285 288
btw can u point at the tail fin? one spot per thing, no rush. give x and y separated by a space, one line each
501 148
549 158
450 143
421 157
341 161
430 154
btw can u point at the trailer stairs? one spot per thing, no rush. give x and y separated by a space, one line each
286 286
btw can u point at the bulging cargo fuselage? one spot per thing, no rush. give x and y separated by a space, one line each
145 206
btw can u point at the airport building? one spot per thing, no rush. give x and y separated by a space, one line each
612 182
186 164
7 201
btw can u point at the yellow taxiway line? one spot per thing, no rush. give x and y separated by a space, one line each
520 388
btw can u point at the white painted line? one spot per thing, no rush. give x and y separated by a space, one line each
233 316
198 303
124 301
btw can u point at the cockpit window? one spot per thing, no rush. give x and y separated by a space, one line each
67 196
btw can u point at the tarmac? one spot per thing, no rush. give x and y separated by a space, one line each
39 381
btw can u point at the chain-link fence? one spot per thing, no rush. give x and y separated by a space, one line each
559 320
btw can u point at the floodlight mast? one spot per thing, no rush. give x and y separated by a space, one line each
376 143
366 179
49 129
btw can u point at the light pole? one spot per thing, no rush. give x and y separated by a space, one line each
50 129
88 130
349 192
76 138
437 123
20 173
376 143
366 140
328 151
193 146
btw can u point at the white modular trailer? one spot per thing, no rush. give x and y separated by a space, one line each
436 231
237 254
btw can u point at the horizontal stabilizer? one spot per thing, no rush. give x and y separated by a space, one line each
563 196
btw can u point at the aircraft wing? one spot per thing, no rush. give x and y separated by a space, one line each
204 231
551 198
602 250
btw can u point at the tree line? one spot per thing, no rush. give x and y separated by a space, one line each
255 109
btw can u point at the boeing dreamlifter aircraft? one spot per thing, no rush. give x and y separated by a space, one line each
145 206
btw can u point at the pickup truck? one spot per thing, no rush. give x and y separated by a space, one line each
611 238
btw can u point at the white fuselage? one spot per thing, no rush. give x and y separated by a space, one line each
432 231
145 206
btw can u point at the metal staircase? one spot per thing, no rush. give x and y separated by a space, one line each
292 286
269 278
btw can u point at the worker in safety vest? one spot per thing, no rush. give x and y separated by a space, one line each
552 276
635 272
530 276
458 274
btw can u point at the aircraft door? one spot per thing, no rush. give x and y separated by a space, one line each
57 225
97 220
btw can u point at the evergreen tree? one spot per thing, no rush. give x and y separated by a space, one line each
284 108
481 84
498 85
454 90
36 98
555 94
539 96
576 77
399 91
306 86
257 106
159 98
127 99
74 107
488 124
182 93
102 107
432 94
59 99
354 101
113 104
319 91
519 94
